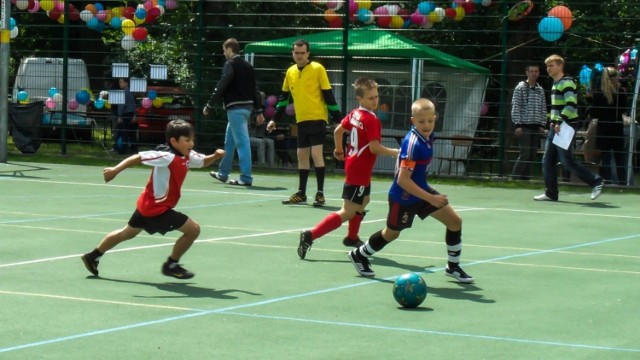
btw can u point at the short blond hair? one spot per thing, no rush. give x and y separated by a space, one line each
554 58
422 104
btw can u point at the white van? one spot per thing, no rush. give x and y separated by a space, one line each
37 75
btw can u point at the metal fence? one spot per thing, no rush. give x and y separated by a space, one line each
466 56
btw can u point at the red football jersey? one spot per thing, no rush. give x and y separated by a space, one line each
363 126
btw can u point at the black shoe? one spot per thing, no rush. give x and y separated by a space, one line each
305 243
459 274
91 265
352 243
361 263
319 201
239 183
176 271
297 198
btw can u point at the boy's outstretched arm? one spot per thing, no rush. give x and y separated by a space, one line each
405 182
211 158
111 172
377 148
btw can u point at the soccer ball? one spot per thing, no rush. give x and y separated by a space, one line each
410 290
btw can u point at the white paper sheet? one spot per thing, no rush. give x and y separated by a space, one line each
564 136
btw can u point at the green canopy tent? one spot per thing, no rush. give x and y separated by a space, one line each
405 70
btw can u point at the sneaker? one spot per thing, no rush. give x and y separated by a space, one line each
176 271
352 243
297 198
91 265
597 190
361 263
458 274
217 176
543 197
319 201
305 243
239 183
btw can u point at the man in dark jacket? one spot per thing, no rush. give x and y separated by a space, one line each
238 89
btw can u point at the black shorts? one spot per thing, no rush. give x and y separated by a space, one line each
355 193
311 133
163 223
400 217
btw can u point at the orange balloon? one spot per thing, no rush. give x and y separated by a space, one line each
330 15
564 14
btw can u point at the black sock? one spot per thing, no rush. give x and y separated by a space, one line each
454 247
171 261
303 175
95 254
375 243
320 178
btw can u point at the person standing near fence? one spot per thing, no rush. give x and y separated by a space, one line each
126 125
564 108
238 88
529 117
608 105
307 84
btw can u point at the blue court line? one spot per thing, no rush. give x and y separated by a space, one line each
434 332
231 309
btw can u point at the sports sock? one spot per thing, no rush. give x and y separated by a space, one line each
326 225
95 254
354 226
303 176
320 178
375 243
454 247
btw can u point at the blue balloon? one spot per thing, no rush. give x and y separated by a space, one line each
141 13
585 77
425 7
98 104
12 23
83 97
22 95
152 95
53 91
551 28
364 15
116 22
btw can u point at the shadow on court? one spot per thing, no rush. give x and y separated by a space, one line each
182 290
19 170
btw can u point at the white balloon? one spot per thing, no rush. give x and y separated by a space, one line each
486 2
392 9
15 32
439 13
22 4
86 15
57 97
128 42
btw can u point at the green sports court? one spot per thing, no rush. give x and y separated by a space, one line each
553 280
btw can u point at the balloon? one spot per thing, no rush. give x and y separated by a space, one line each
550 28
116 22
98 104
272 100
139 34
365 16
14 32
157 103
450 13
384 20
485 109
83 97
128 26
22 95
330 14
128 42
171 4
50 103
57 97
152 94
417 18
86 15
53 91
73 104
335 4
426 7
460 14
290 110
269 111
22 4
364 4
564 14
46 5
140 13
146 103
101 15
396 22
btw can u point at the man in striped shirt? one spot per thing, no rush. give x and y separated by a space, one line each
529 116
564 108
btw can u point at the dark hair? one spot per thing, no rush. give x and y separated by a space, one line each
232 44
177 128
301 42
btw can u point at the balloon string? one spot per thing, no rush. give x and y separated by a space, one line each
598 41
508 50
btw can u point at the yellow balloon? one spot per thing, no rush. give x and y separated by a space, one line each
396 22
460 13
433 17
157 102
364 4
128 26
46 5
116 11
61 19
138 21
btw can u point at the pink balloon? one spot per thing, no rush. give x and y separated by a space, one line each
146 103
50 103
417 18
73 104
269 111
485 109
291 111
272 100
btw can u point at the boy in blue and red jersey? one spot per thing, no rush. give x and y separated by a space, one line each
365 132
411 195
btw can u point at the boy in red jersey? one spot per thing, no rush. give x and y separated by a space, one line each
154 210
364 130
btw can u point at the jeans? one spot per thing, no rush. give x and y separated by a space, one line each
528 144
553 154
237 138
